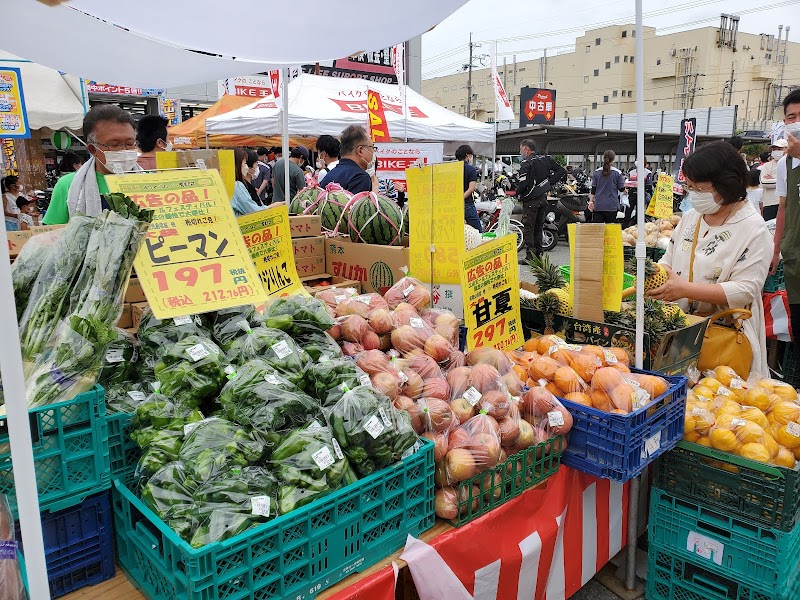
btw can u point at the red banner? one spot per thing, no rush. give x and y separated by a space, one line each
378 127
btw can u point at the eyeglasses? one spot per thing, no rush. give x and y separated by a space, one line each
371 147
114 147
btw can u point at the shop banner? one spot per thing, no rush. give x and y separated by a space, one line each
545 544
502 105
249 86
378 128
490 284
436 199
268 237
95 87
536 106
686 144
380 585
13 116
170 109
660 205
394 159
8 157
194 258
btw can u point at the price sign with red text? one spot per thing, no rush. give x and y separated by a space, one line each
194 258
268 237
490 284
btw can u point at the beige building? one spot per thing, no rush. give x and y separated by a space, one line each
700 68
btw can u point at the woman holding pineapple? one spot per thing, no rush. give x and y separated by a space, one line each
720 252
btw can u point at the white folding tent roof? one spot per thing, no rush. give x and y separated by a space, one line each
326 105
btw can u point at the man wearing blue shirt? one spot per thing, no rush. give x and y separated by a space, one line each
358 153
465 153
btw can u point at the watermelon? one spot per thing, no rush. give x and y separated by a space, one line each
332 207
375 219
304 199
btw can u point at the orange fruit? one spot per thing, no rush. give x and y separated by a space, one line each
579 398
691 436
704 441
785 458
710 383
768 384
785 412
771 445
785 391
622 355
723 439
689 426
703 392
725 374
758 397
754 415
750 433
785 436
755 451
532 345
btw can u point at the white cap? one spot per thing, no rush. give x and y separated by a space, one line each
780 144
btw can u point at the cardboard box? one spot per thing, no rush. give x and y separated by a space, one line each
308 247
137 311
377 267
17 239
135 292
305 226
126 318
309 267
587 271
312 284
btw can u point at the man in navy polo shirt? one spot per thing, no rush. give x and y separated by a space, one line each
358 153
465 153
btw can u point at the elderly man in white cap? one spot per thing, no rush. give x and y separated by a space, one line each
768 172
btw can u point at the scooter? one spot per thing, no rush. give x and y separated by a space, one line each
566 209
489 214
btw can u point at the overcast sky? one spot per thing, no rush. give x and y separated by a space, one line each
557 23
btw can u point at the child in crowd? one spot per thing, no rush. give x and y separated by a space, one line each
28 213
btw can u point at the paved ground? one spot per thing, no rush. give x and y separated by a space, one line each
594 591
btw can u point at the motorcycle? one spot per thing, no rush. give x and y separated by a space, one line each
489 214
567 207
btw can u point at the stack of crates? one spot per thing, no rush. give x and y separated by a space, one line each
73 477
723 527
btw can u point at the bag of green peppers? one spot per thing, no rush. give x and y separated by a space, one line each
191 371
229 324
298 314
319 346
170 490
214 445
327 379
157 335
274 347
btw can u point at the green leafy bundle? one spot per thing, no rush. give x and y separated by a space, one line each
232 323
191 371
158 335
215 446
29 263
276 348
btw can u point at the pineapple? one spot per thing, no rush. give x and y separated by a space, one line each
671 310
564 305
654 274
548 275
548 303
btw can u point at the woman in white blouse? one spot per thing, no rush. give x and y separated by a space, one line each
731 244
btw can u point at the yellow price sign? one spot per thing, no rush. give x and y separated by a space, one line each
613 268
194 258
490 284
267 235
660 205
436 236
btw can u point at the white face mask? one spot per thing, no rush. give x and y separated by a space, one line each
703 202
120 161
320 163
245 170
371 168
168 147
777 154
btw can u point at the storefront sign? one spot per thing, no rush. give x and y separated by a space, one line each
94 87
250 86
536 106
394 159
13 117
660 205
436 199
194 258
687 141
170 109
378 127
268 237
490 284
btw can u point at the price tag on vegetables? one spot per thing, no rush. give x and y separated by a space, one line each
184 320
337 449
323 458
260 505
136 396
197 352
386 420
373 426
472 396
193 258
114 356
281 349
364 380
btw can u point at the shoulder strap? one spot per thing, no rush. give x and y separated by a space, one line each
694 247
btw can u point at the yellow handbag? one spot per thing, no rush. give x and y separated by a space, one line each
724 342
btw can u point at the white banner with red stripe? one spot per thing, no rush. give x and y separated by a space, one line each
504 110
776 316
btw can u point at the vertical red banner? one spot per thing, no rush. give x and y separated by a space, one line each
378 127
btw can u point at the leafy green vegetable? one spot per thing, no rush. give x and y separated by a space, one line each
29 263
170 490
276 348
298 314
216 445
156 335
119 361
319 346
231 323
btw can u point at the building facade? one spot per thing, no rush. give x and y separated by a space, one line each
699 68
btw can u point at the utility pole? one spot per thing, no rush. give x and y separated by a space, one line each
469 81
730 89
694 88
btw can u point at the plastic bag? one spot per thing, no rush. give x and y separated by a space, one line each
473 447
327 378
442 322
11 585
297 314
368 430
169 492
119 361
610 392
490 356
126 397
191 371
538 404
582 363
411 333
361 305
231 323
373 361
214 445
408 290
276 348
157 335
334 295
739 436
319 346
654 385
356 329
424 365
29 263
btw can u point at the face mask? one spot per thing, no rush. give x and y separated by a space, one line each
245 170
168 147
120 161
371 168
777 154
703 202
320 163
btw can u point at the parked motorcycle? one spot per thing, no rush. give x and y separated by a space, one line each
565 209
489 214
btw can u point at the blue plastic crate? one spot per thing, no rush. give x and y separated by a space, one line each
619 447
78 545
70 451
124 454
296 555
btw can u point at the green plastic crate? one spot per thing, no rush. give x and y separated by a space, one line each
517 473
775 283
124 454
70 451
748 489
673 577
759 556
789 366
294 556
627 280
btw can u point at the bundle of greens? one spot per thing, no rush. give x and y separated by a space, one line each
309 464
169 493
126 397
232 323
273 346
191 370
327 380
29 263
369 430
215 446
298 314
157 335
319 346
119 361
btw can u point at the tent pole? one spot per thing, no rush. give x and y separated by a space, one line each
285 134
19 434
494 152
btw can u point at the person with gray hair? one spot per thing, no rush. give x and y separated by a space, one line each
358 159
110 137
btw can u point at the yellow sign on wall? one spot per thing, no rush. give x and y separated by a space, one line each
194 258
436 236
660 205
268 237
13 116
490 284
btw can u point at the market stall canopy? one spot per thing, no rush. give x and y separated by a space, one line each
327 105
49 100
164 44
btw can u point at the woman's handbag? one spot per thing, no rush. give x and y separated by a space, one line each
724 342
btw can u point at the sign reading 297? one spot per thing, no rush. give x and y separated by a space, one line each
193 259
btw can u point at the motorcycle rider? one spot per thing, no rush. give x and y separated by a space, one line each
537 173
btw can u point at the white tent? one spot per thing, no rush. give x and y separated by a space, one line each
326 105
49 100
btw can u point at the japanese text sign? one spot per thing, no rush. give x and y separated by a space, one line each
537 106
13 117
490 284
687 140
394 159
660 205
436 236
268 237
194 258
378 127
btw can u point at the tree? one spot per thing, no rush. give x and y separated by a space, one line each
560 159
